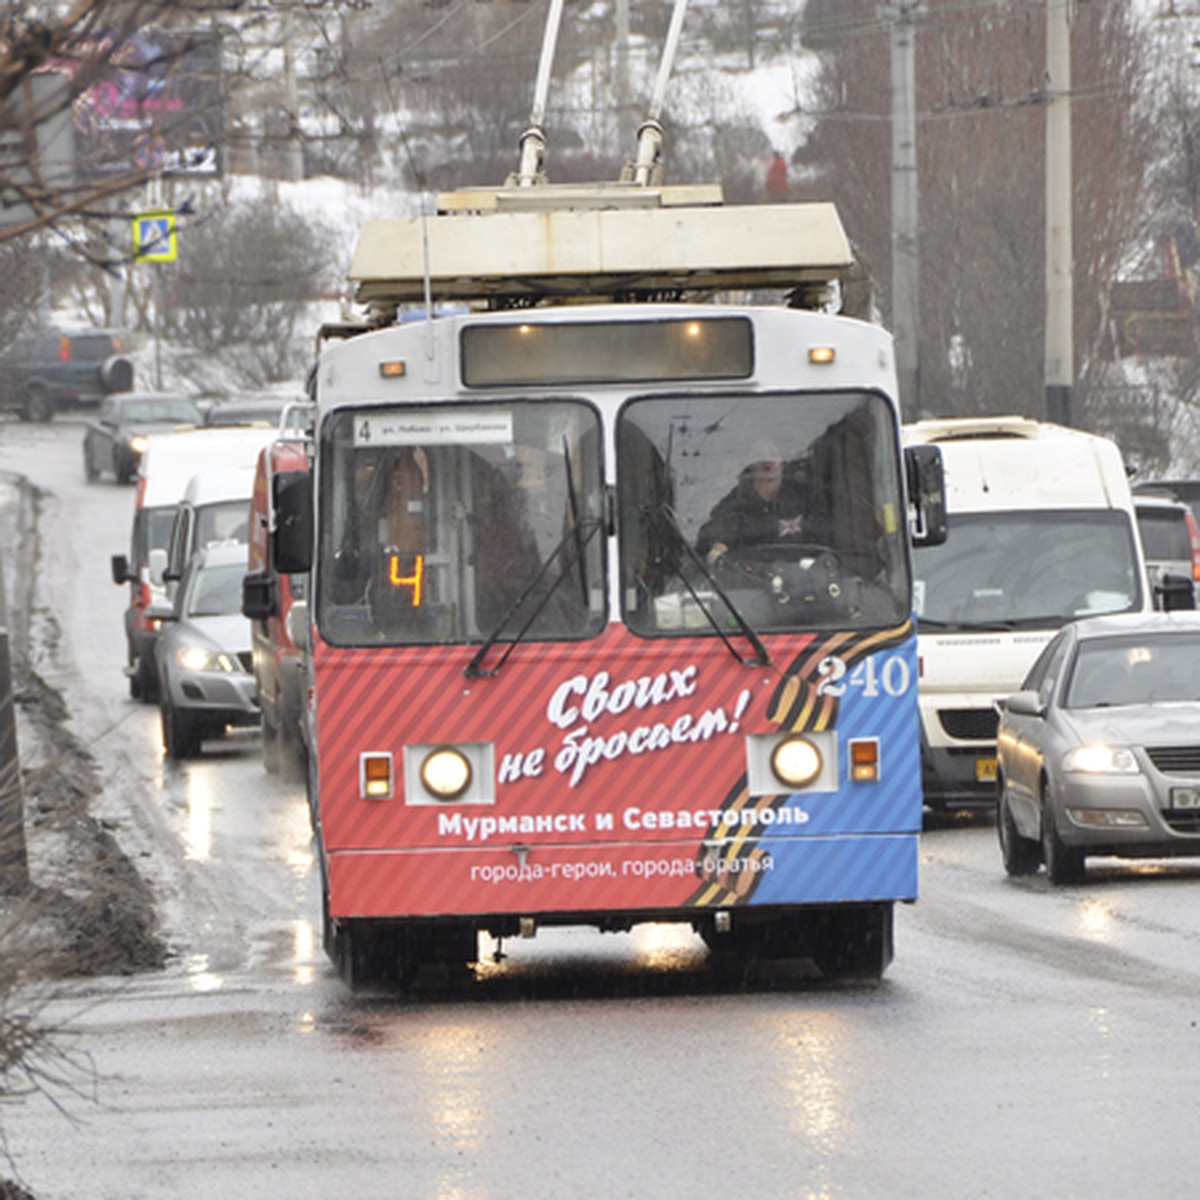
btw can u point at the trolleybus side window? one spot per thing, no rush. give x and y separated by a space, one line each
462 523
775 510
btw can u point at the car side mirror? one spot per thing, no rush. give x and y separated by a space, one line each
292 537
1025 704
1175 592
260 596
120 569
926 479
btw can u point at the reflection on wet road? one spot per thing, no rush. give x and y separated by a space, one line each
1026 1040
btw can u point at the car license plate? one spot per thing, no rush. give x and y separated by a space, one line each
985 770
1185 797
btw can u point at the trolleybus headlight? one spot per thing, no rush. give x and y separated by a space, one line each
446 773
796 761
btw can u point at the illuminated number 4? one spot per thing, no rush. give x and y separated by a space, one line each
412 580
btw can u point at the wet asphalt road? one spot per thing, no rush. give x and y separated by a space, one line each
1025 1042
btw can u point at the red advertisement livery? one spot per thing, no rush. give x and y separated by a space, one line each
620 789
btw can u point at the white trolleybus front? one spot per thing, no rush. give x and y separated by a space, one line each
611 601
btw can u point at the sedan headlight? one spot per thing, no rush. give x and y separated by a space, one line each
1100 759
202 658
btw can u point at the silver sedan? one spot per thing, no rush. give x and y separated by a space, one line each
1099 753
203 653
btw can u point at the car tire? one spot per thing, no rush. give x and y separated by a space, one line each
181 735
270 745
292 753
38 404
143 683
292 765
1021 856
116 374
1064 864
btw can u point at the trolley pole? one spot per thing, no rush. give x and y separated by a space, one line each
14 864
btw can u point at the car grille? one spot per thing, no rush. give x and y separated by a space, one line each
1175 760
1187 821
246 658
977 723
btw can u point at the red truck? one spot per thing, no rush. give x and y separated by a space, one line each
279 661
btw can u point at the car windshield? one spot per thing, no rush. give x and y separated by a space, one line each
1027 568
216 591
164 410
1165 533
1140 669
225 521
460 524
778 511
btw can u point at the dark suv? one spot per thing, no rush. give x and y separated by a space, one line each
41 373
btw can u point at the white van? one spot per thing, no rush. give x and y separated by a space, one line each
215 508
1041 530
168 464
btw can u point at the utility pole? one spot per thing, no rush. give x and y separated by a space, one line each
1060 346
14 864
906 291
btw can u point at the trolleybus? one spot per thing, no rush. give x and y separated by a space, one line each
611 602
610 596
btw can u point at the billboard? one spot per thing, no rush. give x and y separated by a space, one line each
154 105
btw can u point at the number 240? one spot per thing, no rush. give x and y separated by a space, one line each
891 676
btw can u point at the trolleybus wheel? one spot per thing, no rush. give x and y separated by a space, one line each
854 942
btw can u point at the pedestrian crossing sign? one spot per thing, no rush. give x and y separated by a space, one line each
154 237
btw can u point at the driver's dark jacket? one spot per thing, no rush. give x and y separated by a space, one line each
743 518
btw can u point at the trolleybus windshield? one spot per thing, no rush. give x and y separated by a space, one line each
462 523
781 511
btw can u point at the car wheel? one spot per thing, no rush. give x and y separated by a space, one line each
38 404
1021 856
1064 864
180 733
293 766
89 471
143 683
270 745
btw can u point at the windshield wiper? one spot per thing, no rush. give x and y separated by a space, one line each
581 533
573 501
761 658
